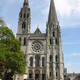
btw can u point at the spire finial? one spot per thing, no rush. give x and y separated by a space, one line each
52 13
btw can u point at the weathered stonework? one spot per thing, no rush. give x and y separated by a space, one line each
43 51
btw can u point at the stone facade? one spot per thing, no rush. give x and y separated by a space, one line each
42 51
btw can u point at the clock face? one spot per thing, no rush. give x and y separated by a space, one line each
36 46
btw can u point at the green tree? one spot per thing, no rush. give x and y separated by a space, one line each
11 57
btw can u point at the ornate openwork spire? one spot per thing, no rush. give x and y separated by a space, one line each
25 2
52 13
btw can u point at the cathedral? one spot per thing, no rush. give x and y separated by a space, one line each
42 51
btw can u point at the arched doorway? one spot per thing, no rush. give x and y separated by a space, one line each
37 75
30 74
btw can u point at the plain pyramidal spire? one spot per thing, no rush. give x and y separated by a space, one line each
52 18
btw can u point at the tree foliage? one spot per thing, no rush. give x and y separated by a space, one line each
11 56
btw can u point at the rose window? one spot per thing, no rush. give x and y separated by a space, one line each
36 46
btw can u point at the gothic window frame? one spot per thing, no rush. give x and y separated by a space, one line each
37 60
23 26
24 15
53 34
51 58
50 73
56 75
56 58
51 41
30 74
43 61
20 39
56 41
28 15
24 43
43 76
31 61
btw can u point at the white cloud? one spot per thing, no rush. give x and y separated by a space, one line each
68 12
76 54
67 7
63 7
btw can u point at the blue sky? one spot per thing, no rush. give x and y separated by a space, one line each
68 12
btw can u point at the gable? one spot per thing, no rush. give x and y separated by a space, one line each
37 32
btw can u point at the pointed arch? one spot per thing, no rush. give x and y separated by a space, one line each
51 58
31 61
24 41
23 25
37 60
43 61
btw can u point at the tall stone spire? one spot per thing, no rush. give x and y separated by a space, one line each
52 14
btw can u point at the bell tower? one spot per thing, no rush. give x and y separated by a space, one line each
55 63
24 25
24 19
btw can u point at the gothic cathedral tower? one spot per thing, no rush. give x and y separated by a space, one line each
42 51
24 25
55 63
24 19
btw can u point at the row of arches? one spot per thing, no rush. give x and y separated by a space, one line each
24 41
36 75
51 58
37 61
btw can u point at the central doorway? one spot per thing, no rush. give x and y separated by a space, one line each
37 77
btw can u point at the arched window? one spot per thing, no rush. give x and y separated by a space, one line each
51 41
51 58
56 74
43 61
23 26
37 60
30 74
28 15
56 58
24 15
53 34
31 61
50 74
20 39
56 41
43 77
24 41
